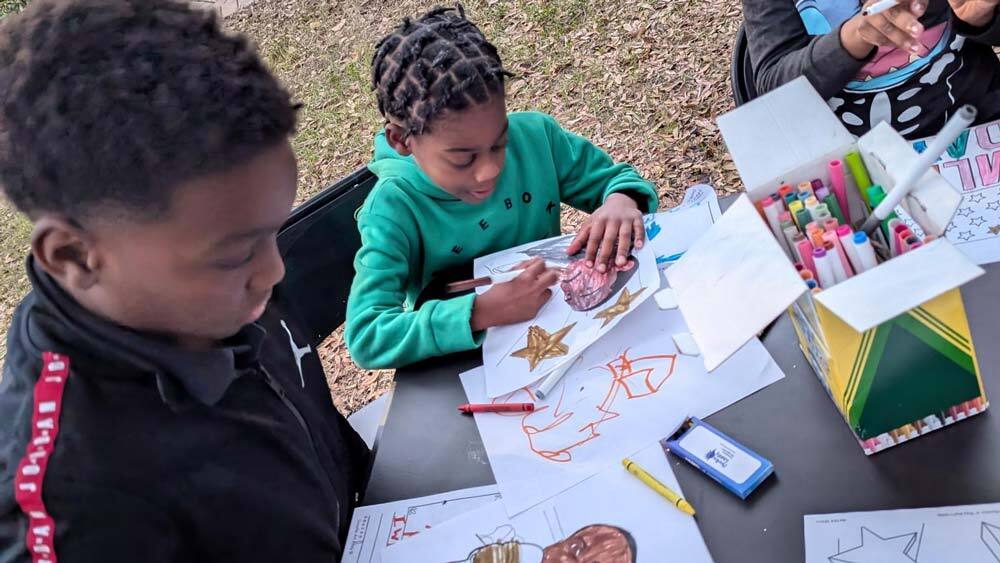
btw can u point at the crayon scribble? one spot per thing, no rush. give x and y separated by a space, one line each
555 431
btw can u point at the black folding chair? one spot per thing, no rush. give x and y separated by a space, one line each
318 243
741 70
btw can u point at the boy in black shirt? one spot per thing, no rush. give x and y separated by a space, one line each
156 401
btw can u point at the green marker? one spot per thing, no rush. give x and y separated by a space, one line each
834 207
860 174
804 218
876 194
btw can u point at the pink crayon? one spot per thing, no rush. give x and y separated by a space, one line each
805 251
836 169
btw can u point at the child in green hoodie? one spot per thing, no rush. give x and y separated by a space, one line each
460 178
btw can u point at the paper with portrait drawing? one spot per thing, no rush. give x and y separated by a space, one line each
584 306
611 518
630 388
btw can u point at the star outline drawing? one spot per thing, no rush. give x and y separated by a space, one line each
902 548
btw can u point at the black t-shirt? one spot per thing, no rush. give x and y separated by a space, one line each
914 93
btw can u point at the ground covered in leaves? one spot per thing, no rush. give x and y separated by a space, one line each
644 80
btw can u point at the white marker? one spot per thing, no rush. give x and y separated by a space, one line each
866 254
879 7
962 119
846 237
824 268
547 384
771 211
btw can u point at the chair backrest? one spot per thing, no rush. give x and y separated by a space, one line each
319 242
741 70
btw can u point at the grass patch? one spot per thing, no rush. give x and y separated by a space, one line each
8 7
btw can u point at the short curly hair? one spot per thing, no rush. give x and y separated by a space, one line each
111 104
441 61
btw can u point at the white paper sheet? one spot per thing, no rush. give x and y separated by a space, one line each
631 388
970 534
561 331
613 499
672 232
732 282
972 167
375 528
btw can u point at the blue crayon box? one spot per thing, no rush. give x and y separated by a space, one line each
731 464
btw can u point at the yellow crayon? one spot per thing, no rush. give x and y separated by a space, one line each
659 487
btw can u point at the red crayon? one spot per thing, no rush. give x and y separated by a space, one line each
497 407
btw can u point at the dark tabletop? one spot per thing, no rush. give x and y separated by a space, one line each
426 448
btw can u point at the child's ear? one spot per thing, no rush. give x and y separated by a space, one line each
398 139
65 251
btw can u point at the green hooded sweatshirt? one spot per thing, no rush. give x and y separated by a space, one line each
412 229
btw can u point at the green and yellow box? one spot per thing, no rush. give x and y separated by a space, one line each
891 345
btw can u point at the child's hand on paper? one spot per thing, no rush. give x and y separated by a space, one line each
616 224
515 301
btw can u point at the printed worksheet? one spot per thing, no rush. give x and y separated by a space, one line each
610 518
972 167
970 534
376 528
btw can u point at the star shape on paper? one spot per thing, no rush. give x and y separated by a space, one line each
965 236
975 198
875 549
993 205
965 211
990 534
621 306
995 230
542 345
977 222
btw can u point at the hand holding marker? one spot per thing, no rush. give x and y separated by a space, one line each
962 119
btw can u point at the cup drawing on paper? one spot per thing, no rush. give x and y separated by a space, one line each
591 544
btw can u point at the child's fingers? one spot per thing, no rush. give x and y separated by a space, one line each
578 240
904 20
639 232
624 243
534 269
607 245
548 278
594 241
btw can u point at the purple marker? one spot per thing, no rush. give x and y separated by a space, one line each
817 184
824 268
822 193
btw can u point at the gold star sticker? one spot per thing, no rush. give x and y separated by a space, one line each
542 345
621 306
995 230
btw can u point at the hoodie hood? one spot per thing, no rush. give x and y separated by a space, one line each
387 163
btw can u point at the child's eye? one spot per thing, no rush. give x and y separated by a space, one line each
234 264
467 164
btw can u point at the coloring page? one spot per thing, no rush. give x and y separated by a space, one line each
670 233
970 534
630 388
972 166
585 305
612 518
375 528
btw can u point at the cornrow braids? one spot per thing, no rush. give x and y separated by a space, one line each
439 62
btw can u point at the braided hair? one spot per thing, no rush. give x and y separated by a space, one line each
439 62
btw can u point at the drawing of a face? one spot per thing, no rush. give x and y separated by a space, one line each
597 543
585 288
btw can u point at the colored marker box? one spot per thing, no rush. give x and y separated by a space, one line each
731 464
866 336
